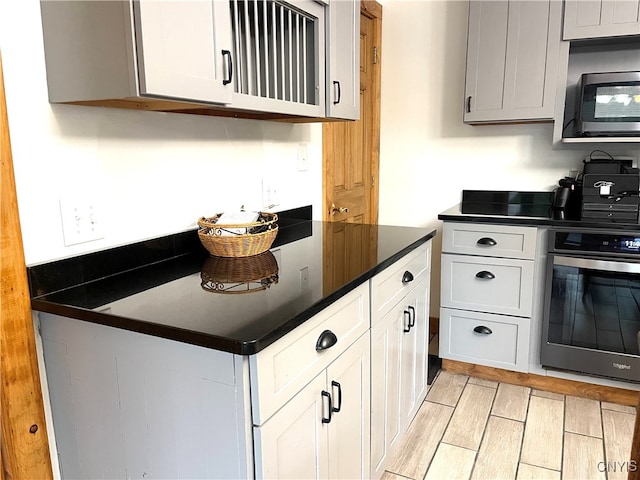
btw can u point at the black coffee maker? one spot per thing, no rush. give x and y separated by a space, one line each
567 198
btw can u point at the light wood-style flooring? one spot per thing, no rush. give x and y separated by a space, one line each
470 428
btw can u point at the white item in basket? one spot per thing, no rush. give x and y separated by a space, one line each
236 218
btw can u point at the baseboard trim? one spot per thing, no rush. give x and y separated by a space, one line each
563 386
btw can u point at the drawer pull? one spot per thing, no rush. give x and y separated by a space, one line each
407 327
407 277
327 339
487 241
330 409
485 275
483 330
336 409
412 316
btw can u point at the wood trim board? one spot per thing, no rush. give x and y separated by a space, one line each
24 443
550 384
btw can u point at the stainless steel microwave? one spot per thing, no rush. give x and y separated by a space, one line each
608 104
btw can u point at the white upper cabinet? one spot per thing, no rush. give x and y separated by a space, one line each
261 57
180 54
99 51
512 60
600 18
343 52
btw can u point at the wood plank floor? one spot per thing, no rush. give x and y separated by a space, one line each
491 430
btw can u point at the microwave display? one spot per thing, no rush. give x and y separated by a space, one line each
617 102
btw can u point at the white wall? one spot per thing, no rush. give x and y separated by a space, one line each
150 173
428 156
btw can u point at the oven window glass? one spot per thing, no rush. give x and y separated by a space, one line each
595 309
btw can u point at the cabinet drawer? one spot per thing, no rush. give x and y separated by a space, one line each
489 240
282 369
505 343
494 285
387 287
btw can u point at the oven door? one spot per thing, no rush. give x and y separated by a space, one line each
592 316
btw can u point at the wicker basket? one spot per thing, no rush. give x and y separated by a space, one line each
239 275
258 239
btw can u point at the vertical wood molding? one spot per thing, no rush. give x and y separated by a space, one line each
25 455
634 471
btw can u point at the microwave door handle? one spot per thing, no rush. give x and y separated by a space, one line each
592 264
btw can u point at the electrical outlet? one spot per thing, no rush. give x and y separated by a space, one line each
80 221
303 160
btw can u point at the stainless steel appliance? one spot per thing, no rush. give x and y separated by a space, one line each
592 303
608 104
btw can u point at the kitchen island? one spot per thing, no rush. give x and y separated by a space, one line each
163 363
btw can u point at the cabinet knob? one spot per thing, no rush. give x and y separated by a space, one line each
336 86
485 275
407 326
483 330
407 277
327 339
487 242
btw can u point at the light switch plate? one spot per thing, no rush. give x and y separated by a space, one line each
80 221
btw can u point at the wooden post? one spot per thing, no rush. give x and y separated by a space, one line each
634 470
24 444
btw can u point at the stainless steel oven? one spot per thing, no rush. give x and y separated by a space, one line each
592 303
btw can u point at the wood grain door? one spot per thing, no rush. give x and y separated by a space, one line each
351 152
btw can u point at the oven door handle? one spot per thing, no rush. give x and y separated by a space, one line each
593 264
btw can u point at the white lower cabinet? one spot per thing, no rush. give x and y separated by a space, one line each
323 431
489 301
399 366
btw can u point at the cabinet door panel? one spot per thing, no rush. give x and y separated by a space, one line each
512 60
343 98
487 43
414 353
293 443
386 344
180 50
601 18
526 41
348 379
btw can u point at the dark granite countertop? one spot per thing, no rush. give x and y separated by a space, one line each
521 208
170 287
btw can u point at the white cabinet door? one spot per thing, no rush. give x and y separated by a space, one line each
323 431
181 49
349 430
399 368
601 18
512 60
415 345
293 443
343 50
386 345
